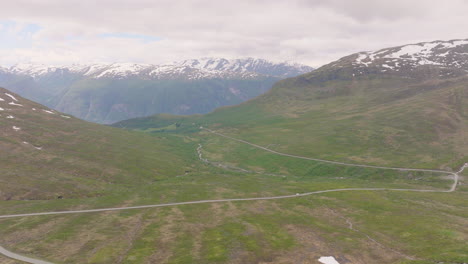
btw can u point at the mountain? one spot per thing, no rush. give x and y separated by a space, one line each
399 105
106 93
259 66
446 58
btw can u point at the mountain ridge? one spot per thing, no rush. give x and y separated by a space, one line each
445 58
192 69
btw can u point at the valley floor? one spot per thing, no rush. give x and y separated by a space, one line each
365 214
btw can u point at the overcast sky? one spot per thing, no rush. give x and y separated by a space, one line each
312 32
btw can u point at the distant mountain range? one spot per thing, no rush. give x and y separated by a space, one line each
106 93
188 69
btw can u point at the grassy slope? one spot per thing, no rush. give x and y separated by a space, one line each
387 120
426 226
77 158
422 130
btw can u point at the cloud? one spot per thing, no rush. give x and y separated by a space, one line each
309 31
120 35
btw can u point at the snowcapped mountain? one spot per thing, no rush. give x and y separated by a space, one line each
107 93
196 69
441 58
258 66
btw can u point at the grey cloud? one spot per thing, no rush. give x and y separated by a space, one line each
308 31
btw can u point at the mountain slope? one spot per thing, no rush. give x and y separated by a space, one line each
402 105
46 154
106 93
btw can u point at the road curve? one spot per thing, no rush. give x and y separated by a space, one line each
322 160
452 188
21 258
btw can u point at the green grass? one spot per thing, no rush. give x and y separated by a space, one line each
379 120
256 235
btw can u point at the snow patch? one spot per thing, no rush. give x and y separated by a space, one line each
16 128
435 53
10 117
444 54
33 70
11 96
93 69
428 62
123 69
362 57
388 66
328 260
454 44
49 112
412 50
64 116
1 99
1 109
13 103
27 143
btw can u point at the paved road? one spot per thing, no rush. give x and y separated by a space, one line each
21 258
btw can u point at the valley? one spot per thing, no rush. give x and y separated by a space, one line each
107 93
329 166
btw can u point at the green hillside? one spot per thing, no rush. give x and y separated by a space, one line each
52 154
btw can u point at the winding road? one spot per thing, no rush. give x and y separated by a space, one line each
322 160
452 188
12 255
